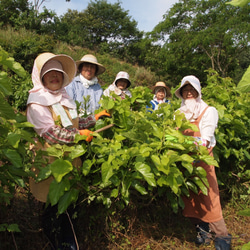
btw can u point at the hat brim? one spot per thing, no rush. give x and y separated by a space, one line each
68 65
168 92
65 76
100 68
128 85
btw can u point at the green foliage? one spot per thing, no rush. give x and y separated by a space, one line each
132 157
15 137
197 35
27 45
232 149
244 84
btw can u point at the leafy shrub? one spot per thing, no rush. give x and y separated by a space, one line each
14 138
233 149
25 45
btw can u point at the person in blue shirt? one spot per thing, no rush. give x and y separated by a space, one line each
161 95
86 84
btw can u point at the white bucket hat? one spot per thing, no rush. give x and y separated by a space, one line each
122 75
91 59
194 81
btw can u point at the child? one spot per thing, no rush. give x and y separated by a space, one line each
119 86
161 94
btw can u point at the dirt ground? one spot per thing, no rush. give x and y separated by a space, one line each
148 227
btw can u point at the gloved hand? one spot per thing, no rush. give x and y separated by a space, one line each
87 133
102 113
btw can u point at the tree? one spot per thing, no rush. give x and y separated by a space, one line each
102 27
197 35
39 3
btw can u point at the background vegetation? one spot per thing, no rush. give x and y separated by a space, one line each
129 168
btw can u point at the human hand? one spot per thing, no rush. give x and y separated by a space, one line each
87 133
101 114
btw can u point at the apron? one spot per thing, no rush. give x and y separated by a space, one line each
204 207
40 189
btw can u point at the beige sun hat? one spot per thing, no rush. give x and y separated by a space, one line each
160 85
46 62
91 59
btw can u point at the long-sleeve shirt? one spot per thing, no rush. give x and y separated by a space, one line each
76 91
44 125
208 124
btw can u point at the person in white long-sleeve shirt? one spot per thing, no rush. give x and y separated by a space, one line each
203 210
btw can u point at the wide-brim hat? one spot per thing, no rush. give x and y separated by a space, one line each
194 81
160 85
68 65
123 75
91 59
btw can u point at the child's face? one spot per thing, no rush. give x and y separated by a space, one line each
160 95
121 84
53 80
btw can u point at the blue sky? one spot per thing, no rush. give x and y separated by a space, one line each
147 13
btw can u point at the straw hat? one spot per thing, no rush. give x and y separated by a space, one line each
91 59
194 81
123 75
68 65
160 85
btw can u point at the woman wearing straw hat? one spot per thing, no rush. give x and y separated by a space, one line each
161 95
54 116
204 210
86 84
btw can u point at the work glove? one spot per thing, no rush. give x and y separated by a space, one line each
87 133
101 114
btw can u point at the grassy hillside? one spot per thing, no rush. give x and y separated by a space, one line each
25 45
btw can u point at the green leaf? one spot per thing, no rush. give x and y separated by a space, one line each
6 110
240 3
188 166
209 160
186 158
139 187
244 84
13 228
14 157
246 246
67 199
5 85
145 170
107 172
245 212
44 173
173 183
77 151
60 168
86 166
57 190
201 185
55 151
14 139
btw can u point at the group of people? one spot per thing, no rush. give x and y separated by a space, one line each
52 109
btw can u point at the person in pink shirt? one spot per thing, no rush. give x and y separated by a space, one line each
54 116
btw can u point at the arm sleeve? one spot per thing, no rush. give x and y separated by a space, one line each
58 135
87 122
40 117
208 124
